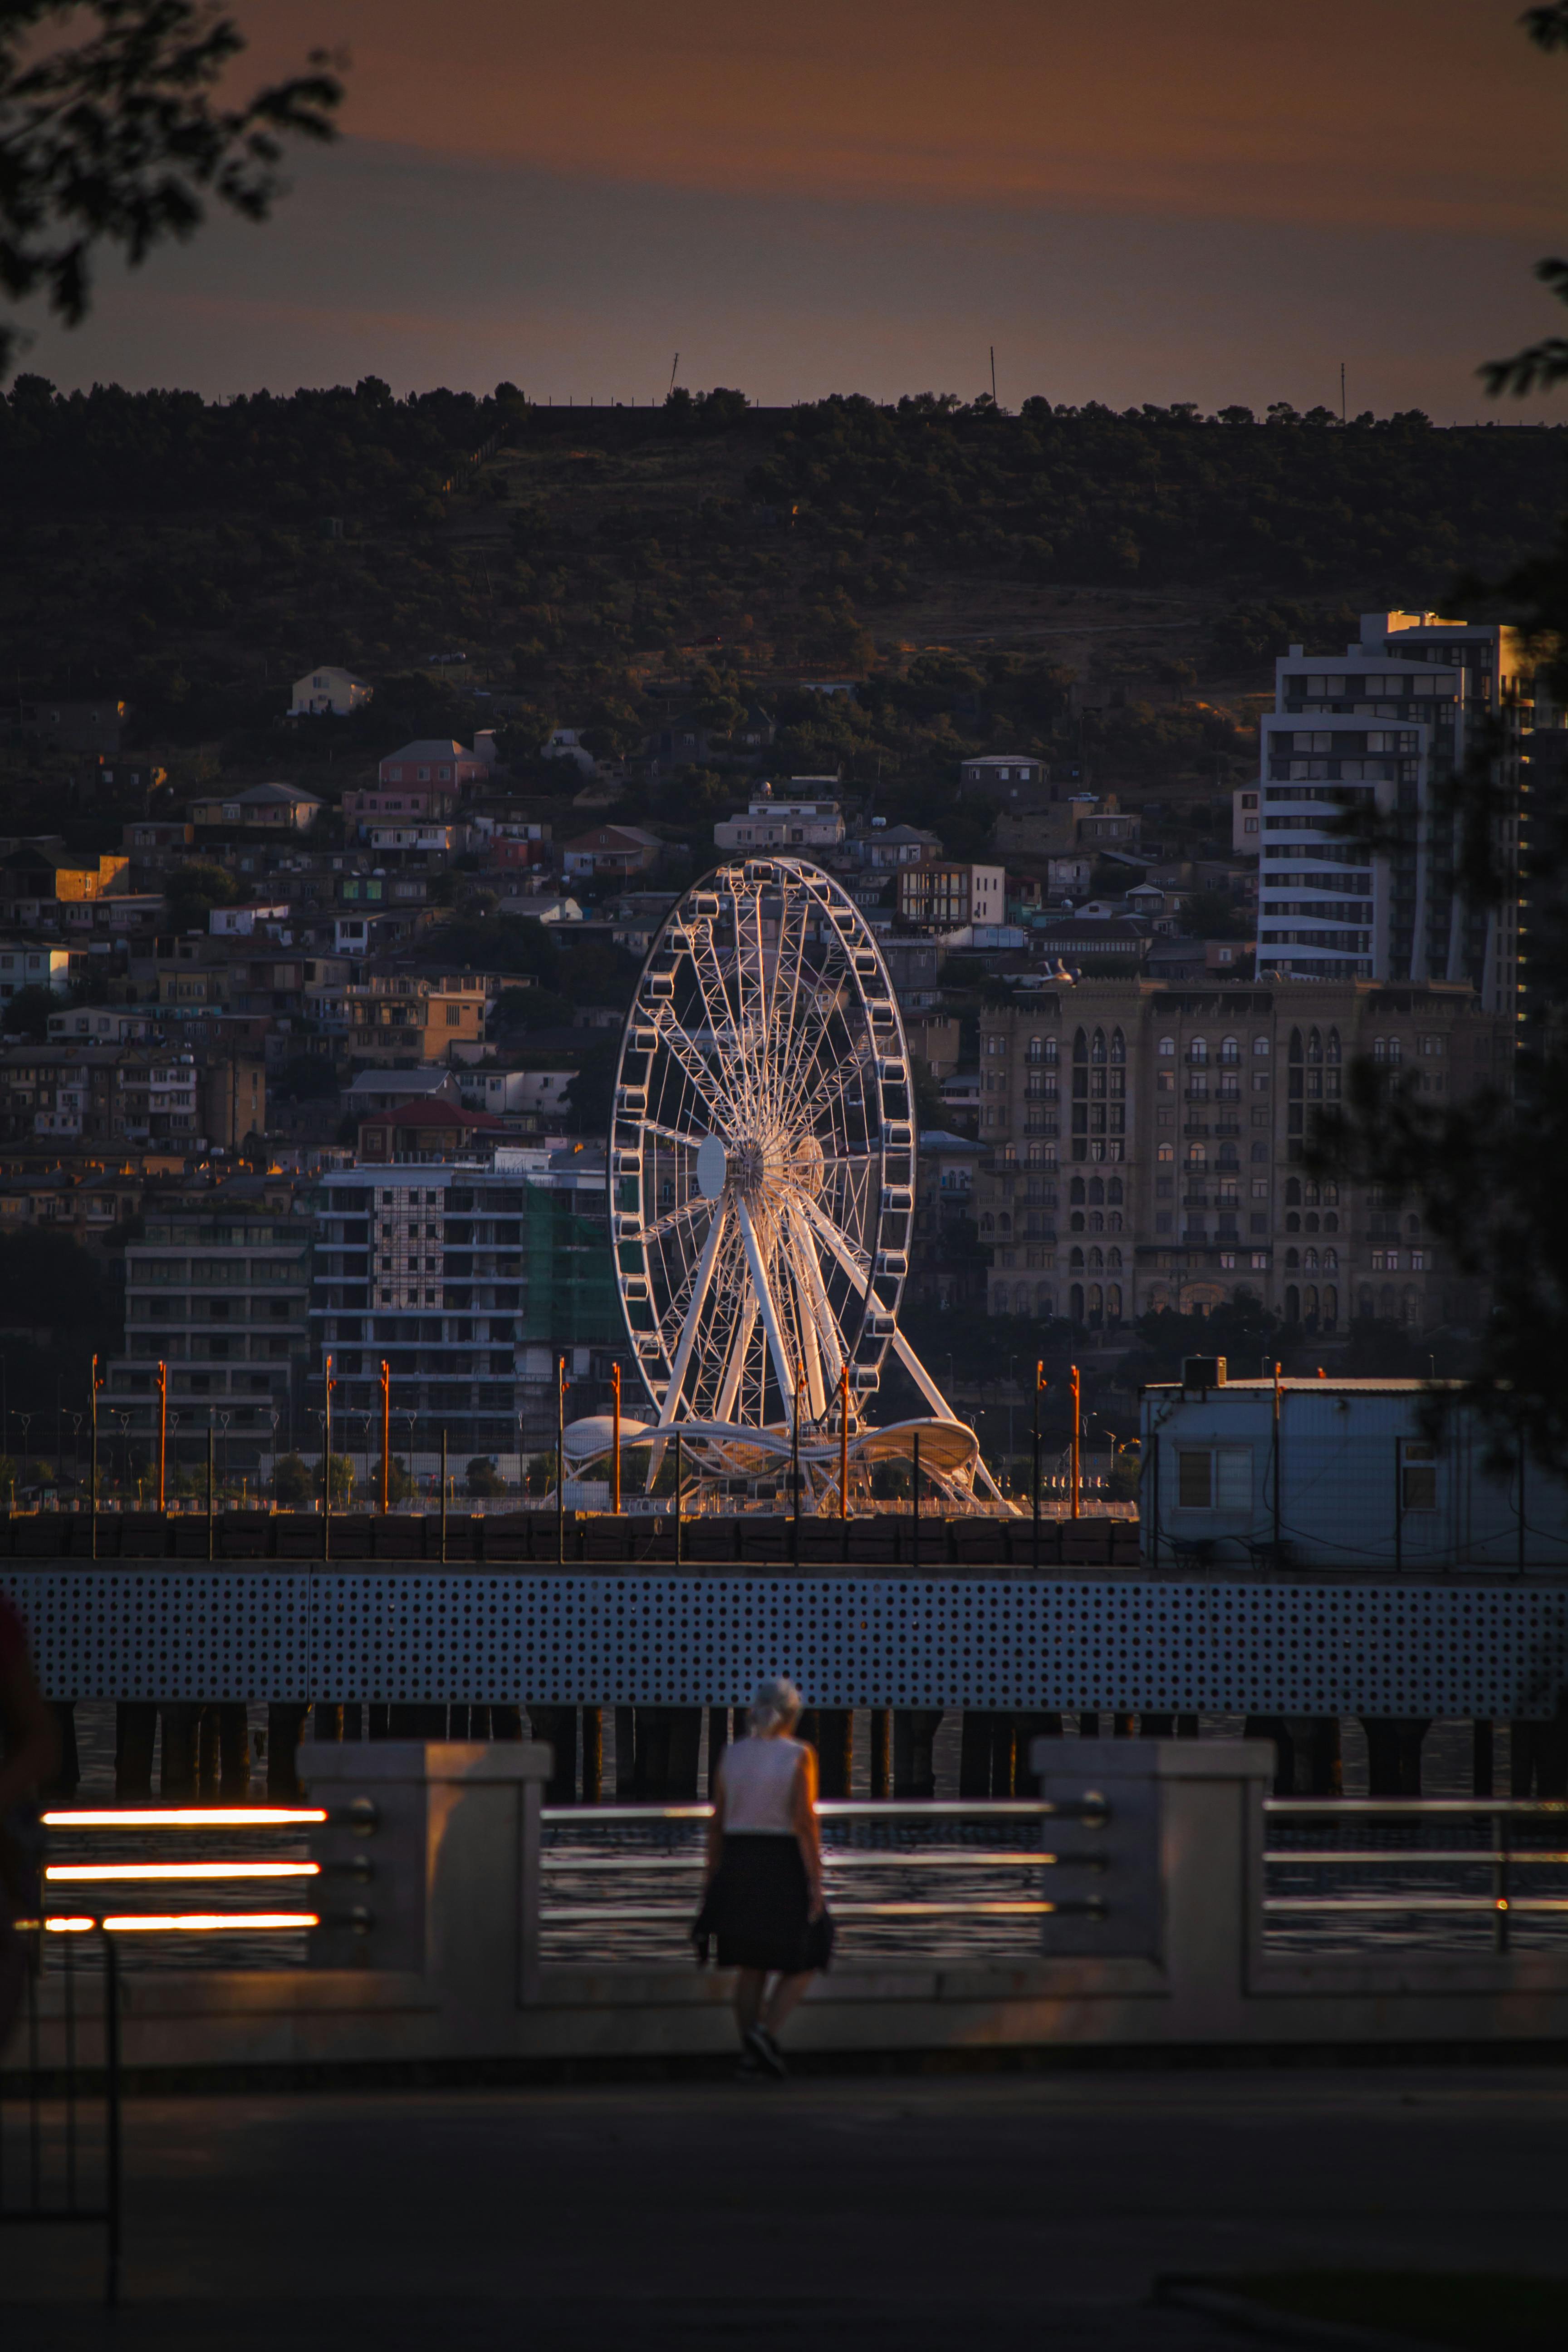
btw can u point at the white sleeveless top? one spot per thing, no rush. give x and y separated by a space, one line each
757 1782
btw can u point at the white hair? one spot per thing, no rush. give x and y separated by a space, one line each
776 1705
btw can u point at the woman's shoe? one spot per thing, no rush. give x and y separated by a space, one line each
766 2051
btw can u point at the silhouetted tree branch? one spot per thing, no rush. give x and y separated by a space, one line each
115 138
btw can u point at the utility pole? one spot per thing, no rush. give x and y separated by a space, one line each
386 1436
561 1459
1039 1389
162 1428
1077 1428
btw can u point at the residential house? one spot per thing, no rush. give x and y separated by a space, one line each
33 966
433 759
428 1130
566 743
1014 780
611 852
882 848
280 808
92 727
369 1092
36 882
386 803
330 690
787 821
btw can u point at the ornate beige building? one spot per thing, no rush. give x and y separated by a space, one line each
1142 1147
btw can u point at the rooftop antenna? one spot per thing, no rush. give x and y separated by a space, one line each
673 365
992 375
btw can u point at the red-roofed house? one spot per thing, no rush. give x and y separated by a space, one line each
429 1129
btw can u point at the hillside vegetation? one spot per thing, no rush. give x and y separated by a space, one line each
607 568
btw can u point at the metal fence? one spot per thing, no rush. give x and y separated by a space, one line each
59 2117
1470 1872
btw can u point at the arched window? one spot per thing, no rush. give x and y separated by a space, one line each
1198 1051
1292 1195
1112 1259
1113 1190
1333 1045
1097 1050
1075 1193
1044 1304
1097 1220
1097 1260
1293 1222
1411 1304
1167 1049
1113 1222
1229 1156
1309 1193
1020 1299
1309 1302
1165 1151
987 1225
1330 1195
1034 1051
1292 1305
1081 1047
1292 1265
1096 1188
1230 1049
1197 1155
1309 1261
1076 1223
1314 1046
1050 1049
1096 1303
1118 1046
1260 1046
1330 1262
1075 1302
1076 1261
1311 1221
1113 1302
1412 1225
1295 1055
1004 1221
1259 1151
1332 1223
1385 1302
1330 1308
999 1299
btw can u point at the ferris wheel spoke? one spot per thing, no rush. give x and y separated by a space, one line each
673 1135
854 1261
681 1050
693 1319
673 1218
819 1318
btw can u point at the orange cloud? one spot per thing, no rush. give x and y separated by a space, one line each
1408 113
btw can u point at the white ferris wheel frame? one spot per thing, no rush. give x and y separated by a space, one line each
762 1162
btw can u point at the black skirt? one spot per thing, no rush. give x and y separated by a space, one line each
758 1908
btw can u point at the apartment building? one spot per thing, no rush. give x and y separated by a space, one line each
216 1290
943 894
404 1020
469 1281
1142 1147
1376 732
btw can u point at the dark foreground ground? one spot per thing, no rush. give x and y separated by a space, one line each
971 2212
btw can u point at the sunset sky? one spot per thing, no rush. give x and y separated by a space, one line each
1212 201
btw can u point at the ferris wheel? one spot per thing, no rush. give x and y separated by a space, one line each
762 1165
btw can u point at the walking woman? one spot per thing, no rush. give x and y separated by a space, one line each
762 1898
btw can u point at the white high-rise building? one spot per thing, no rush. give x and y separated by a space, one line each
1384 726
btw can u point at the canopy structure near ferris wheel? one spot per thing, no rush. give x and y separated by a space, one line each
761 1172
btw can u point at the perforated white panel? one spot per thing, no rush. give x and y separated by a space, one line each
880 1641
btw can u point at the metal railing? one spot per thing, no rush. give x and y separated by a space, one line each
45 2142
893 1869
1393 1843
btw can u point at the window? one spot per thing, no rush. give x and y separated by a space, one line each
1167 1049
1418 1478
1214 1478
1260 1046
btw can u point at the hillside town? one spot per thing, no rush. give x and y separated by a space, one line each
315 1074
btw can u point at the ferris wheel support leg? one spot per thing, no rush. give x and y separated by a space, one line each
700 1289
939 1404
782 1371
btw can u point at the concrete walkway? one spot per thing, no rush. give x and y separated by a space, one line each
913 2212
